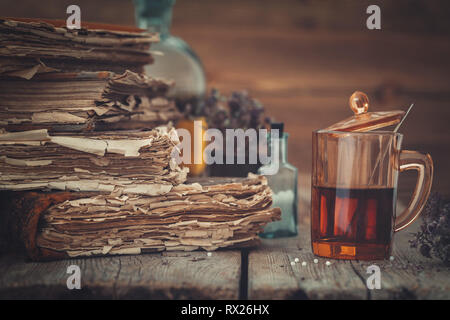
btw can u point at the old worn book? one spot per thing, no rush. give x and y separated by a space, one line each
208 214
85 101
139 162
30 46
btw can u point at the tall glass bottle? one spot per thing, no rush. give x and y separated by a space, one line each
174 58
284 189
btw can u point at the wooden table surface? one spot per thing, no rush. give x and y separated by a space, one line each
264 272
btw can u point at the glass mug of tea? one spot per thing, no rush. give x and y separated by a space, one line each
354 192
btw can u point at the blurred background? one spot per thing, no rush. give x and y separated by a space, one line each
303 59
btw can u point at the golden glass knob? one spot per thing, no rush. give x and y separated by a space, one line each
359 102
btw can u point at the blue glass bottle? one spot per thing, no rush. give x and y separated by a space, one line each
174 58
284 189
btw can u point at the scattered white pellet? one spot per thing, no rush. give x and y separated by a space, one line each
328 263
296 260
391 258
292 263
304 264
209 254
316 261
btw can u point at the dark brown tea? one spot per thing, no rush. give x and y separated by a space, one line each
352 223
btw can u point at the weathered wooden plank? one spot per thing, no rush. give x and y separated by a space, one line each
399 16
271 275
305 78
191 275
303 60
408 276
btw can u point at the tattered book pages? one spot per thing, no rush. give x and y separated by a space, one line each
30 46
189 217
86 168
85 101
120 162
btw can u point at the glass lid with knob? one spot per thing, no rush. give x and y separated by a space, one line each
362 120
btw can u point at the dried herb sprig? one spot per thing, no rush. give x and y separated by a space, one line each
433 239
238 111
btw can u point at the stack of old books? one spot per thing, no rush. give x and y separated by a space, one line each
86 151
78 80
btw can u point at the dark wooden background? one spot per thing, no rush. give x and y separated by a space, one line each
303 59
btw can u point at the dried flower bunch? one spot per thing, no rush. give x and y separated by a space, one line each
238 111
433 239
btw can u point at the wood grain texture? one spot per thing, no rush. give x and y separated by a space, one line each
408 276
305 79
303 59
271 275
181 275
177 275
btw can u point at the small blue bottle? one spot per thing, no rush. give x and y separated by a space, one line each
284 189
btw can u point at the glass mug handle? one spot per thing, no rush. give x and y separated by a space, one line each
423 164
